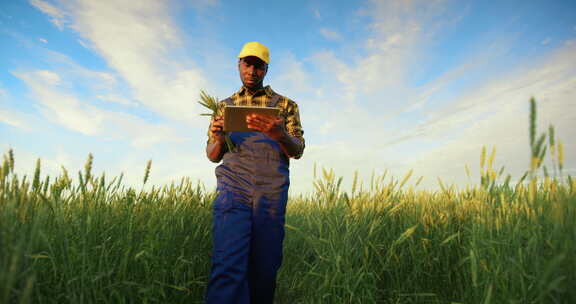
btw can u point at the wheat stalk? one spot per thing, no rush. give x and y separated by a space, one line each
88 167
147 171
212 103
11 159
36 180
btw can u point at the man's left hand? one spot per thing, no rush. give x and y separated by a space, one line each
269 125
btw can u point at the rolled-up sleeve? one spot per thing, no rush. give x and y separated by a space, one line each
294 125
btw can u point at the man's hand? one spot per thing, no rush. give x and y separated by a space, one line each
217 129
274 127
269 125
215 150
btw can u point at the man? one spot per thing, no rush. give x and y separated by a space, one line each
252 184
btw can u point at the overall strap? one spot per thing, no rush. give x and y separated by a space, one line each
228 101
274 100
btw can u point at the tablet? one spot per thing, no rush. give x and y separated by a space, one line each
235 116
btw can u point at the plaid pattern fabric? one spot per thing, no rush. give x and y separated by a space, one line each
288 110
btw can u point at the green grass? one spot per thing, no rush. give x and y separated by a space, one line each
94 240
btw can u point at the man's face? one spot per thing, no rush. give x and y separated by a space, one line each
252 71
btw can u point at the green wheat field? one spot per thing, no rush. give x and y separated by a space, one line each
91 239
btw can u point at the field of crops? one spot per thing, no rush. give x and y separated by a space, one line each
93 240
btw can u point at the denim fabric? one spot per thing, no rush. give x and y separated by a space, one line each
248 221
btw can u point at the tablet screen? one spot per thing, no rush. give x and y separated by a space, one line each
235 116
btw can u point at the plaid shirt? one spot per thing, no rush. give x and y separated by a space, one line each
288 111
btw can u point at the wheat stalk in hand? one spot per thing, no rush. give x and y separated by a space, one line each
212 104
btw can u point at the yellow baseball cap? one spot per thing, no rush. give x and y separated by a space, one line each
255 49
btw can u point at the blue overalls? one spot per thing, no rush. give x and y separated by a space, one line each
248 220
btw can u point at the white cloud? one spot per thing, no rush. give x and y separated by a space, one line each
58 15
546 77
442 82
396 40
60 107
367 113
12 118
48 77
330 34
367 90
66 110
80 76
291 76
42 40
496 114
137 41
83 44
327 127
117 99
48 8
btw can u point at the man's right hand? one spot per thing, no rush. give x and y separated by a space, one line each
217 129
215 147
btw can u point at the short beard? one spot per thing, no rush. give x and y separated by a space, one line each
255 87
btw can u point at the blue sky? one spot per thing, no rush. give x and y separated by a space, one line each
381 85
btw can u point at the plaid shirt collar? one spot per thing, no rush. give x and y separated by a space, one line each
265 90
